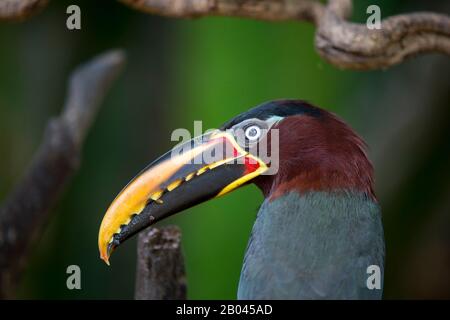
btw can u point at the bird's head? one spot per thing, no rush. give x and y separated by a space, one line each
281 146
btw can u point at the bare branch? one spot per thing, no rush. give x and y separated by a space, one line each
354 46
160 271
20 9
272 10
27 208
342 43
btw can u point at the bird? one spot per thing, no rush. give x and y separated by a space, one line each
319 229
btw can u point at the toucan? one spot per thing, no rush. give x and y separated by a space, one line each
318 233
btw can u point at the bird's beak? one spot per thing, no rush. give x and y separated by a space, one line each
198 170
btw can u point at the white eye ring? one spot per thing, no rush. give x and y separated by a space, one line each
252 133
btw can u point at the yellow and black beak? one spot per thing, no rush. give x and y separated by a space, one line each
198 170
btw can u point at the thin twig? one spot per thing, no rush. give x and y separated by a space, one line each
27 208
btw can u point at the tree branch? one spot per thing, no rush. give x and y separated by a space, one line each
20 9
354 46
342 43
160 273
27 208
272 10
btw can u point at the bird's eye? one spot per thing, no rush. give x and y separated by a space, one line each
252 133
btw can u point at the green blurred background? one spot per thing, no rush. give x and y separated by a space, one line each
211 69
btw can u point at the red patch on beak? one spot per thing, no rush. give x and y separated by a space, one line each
250 165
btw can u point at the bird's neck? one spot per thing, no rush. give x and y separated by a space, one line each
322 156
298 239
